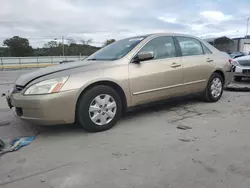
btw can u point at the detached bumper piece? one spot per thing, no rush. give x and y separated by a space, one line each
9 102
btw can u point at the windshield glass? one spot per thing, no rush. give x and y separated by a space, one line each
117 49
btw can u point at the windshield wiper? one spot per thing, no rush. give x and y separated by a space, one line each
93 59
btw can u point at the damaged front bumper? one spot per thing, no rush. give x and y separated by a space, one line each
9 102
243 71
8 98
47 109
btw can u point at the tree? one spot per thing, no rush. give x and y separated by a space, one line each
71 41
53 48
18 46
89 41
109 41
51 44
86 42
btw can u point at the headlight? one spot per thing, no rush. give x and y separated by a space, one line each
47 86
235 63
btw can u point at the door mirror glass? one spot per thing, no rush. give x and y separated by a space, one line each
143 56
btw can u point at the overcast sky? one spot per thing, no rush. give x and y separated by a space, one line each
43 20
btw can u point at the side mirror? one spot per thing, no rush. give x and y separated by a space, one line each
143 56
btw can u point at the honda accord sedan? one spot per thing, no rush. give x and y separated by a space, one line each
133 71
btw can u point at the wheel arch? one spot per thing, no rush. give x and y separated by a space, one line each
109 83
220 72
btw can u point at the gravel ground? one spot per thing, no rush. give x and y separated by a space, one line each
210 148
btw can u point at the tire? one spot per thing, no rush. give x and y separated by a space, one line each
97 98
207 95
238 78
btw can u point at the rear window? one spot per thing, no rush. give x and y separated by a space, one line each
190 46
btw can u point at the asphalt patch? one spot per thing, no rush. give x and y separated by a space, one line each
183 127
185 140
239 86
4 123
236 88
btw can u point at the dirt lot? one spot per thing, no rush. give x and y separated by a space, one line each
145 149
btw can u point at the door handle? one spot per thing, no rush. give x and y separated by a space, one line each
209 60
174 65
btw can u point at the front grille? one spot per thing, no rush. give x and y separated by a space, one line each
244 62
17 89
246 71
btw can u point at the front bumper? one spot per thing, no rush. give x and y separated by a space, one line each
49 109
243 71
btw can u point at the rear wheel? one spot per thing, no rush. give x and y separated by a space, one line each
214 89
238 78
99 108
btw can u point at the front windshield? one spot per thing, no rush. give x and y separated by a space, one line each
117 49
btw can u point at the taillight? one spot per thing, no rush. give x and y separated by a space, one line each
230 61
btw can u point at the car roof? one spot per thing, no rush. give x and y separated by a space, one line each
171 34
161 34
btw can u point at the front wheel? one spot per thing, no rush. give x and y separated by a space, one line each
214 89
99 108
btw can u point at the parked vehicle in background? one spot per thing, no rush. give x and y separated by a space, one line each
242 67
234 55
124 74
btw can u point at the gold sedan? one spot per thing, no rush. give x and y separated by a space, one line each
124 74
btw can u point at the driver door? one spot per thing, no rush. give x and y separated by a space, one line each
159 77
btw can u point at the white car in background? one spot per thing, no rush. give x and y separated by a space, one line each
242 67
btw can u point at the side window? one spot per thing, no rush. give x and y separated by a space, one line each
190 46
206 50
162 47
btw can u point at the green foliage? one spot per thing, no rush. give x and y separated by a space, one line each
56 49
18 46
51 44
4 52
109 41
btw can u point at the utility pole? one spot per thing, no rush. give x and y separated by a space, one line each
247 25
63 45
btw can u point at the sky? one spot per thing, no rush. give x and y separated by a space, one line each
44 20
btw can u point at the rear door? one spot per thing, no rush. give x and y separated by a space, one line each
159 77
197 63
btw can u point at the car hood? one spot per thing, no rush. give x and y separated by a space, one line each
243 61
25 79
